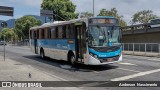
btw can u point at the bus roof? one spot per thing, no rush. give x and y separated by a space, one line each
58 23
67 22
104 17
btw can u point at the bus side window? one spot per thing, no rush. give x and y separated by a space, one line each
70 33
53 33
38 34
60 32
42 33
56 32
64 32
68 29
35 34
46 35
31 34
49 33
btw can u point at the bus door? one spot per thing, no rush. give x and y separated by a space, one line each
35 42
81 48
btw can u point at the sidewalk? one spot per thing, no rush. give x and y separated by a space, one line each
25 46
14 71
11 70
146 54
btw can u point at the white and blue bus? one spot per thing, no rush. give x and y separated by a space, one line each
90 41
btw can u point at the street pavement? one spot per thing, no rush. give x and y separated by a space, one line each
132 68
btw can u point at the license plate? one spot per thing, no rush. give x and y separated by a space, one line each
109 59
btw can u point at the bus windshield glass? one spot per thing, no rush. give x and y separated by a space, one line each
103 36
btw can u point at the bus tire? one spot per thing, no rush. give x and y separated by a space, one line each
42 54
72 59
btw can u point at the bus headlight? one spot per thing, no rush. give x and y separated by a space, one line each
95 56
91 54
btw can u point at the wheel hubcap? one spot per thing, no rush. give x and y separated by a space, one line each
72 60
42 54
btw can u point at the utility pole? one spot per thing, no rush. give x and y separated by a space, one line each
6 11
93 8
4 43
4 25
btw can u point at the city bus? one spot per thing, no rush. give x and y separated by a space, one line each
89 41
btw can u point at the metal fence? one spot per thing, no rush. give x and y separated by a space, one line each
148 49
20 43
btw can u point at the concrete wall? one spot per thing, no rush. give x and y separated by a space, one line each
142 38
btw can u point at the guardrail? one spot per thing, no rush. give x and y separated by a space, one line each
146 49
20 43
140 28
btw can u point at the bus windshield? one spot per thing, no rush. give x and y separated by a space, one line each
99 36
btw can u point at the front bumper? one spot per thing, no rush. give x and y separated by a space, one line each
94 61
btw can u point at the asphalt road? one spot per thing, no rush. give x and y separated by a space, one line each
132 68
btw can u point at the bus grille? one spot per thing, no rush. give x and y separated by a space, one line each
110 59
106 49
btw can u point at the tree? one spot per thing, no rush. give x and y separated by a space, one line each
113 12
143 16
23 25
62 9
8 33
86 15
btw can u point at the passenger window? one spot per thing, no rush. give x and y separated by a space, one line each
42 34
56 32
60 32
72 35
67 31
53 33
70 32
30 34
49 33
64 32
37 34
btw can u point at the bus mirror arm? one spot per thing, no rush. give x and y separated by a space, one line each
87 35
86 39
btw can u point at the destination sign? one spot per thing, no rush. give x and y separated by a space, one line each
103 21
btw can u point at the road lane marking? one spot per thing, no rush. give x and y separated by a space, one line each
128 70
148 59
95 71
153 59
144 58
125 63
135 75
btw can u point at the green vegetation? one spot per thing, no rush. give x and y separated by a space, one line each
9 34
23 25
86 15
113 12
143 16
63 9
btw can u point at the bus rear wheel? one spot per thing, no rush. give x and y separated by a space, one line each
42 54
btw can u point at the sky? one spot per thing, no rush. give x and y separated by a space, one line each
125 8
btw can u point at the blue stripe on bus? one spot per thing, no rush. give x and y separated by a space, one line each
55 44
106 54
